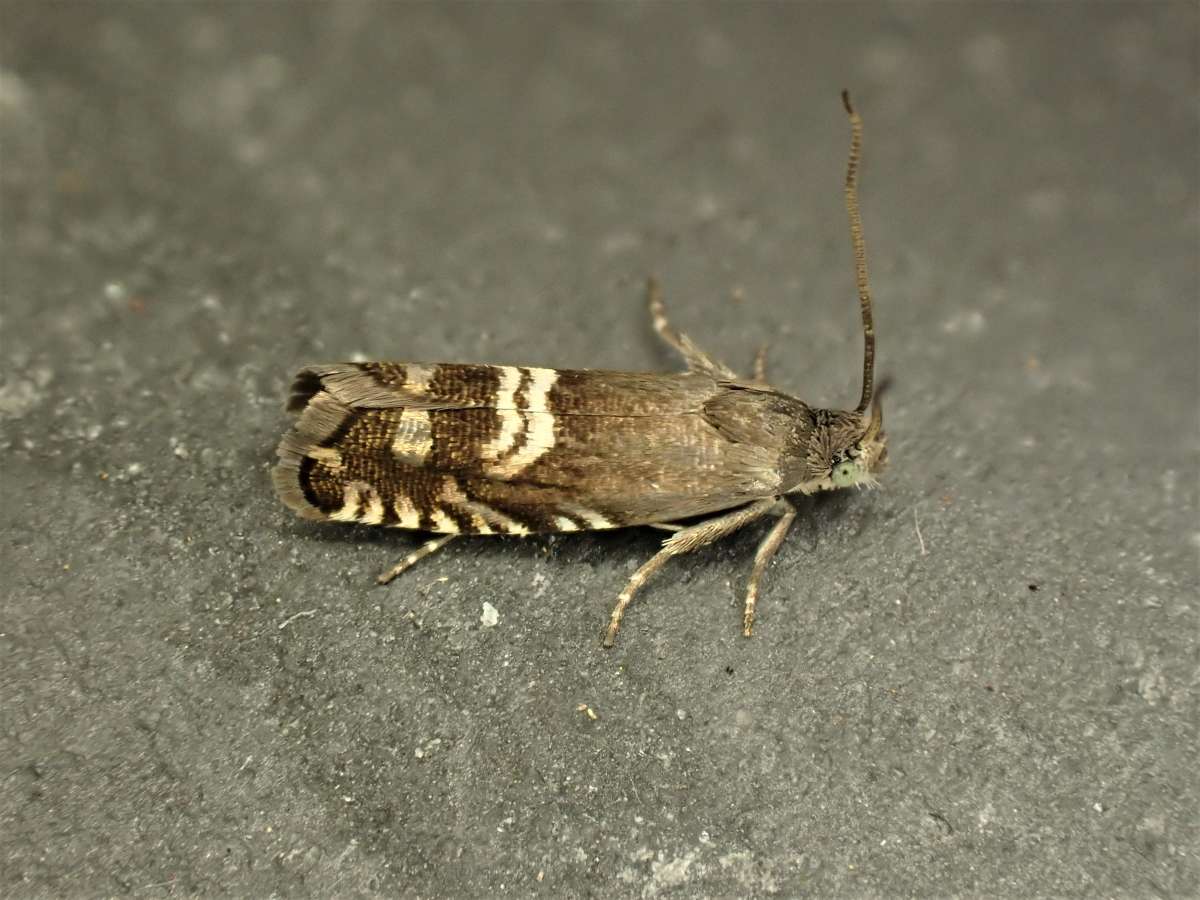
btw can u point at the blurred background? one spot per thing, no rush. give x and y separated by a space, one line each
977 680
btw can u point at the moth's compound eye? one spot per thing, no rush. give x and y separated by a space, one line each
845 473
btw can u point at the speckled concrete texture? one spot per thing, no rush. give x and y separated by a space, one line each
979 680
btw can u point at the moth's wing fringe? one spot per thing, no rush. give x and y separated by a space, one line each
321 415
356 388
349 384
306 383
286 477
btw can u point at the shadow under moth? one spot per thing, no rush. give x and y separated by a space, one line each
476 449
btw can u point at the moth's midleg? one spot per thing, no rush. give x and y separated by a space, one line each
762 557
416 556
697 360
681 542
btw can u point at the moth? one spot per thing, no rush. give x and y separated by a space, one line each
485 449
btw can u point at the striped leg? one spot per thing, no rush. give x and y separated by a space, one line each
697 359
684 541
766 550
416 556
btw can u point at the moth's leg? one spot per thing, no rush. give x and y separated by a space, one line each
416 556
760 363
697 359
665 526
684 541
658 317
766 550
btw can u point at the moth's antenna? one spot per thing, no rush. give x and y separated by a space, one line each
860 256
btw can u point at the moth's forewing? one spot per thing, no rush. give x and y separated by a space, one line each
504 449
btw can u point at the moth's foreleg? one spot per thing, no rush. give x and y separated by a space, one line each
762 557
684 541
416 556
697 359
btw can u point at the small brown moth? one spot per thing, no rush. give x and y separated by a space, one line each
476 449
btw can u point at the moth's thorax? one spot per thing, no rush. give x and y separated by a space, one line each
835 449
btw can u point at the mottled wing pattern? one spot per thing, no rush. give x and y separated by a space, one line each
480 449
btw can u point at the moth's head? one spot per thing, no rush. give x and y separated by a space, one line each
842 449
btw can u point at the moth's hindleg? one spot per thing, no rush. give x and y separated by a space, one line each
762 557
697 360
760 363
416 556
684 541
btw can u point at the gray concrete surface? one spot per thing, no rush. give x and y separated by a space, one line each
980 680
